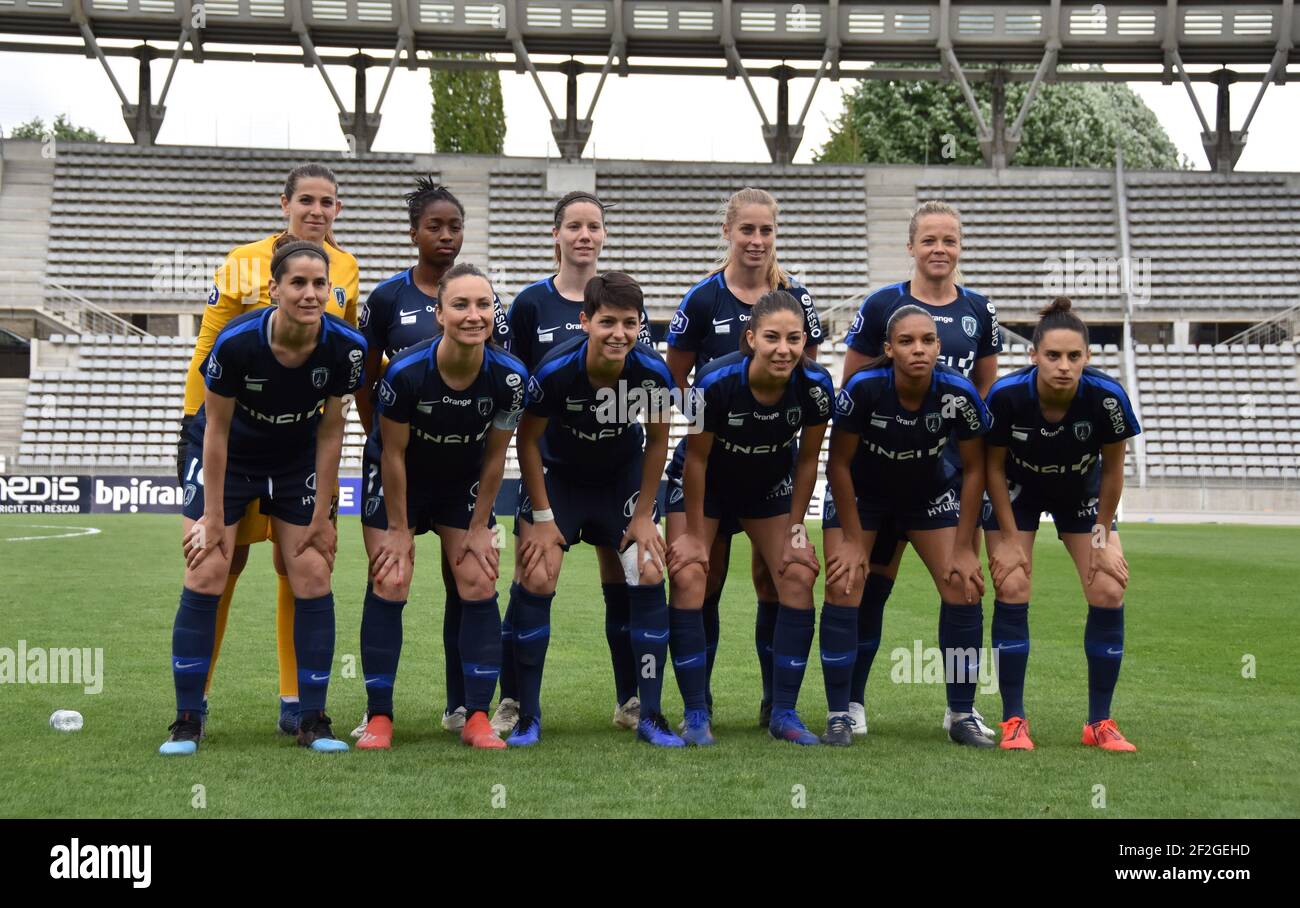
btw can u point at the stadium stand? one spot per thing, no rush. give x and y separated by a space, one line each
122 218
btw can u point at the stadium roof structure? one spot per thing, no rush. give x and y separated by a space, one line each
822 34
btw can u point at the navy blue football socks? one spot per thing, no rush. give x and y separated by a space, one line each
712 634
839 634
764 629
193 635
1010 639
961 633
686 631
509 675
617 625
313 639
791 643
381 648
532 634
649 641
1103 643
871 615
451 640
480 651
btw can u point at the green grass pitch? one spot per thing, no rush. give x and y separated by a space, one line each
1205 604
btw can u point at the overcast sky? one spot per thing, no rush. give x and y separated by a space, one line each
650 117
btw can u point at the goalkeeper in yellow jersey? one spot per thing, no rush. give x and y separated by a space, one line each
310 204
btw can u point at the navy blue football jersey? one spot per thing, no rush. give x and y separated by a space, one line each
541 320
583 440
967 327
710 320
448 427
1058 458
754 443
398 314
900 453
277 409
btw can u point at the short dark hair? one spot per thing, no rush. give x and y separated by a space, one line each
613 289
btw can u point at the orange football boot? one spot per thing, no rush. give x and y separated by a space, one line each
378 734
478 733
1015 734
1105 734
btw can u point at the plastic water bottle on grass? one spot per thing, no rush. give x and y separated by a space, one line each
66 720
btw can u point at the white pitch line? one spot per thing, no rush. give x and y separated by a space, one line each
82 531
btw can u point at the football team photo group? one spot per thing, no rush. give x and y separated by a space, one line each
928 448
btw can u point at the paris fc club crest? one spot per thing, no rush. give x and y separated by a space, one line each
319 376
969 325
1083 430
484 406
340 297
933 423
792 416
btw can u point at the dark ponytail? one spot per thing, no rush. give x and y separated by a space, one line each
1060 314
768 304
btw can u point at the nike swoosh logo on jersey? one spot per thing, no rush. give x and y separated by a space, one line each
324 677
834 658
799 664
731 415
721 321
403 313
1114 652
680 663
548 330
488 672
1012 645
530 635
650 636
250 378
181 667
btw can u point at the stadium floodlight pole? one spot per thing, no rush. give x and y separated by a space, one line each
1048 64
1280 55
187 33
1126 294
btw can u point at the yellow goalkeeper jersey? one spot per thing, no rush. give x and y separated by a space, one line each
241 284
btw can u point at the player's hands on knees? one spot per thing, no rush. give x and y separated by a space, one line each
649 544
964 571
1107 559
393 556
847 564
686 550
540 548
322 537
798 550
1005 558
207 533
479 544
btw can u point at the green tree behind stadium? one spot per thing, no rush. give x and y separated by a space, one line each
469 116
62 129
1070 124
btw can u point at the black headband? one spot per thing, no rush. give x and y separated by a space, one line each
297 247
579 197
